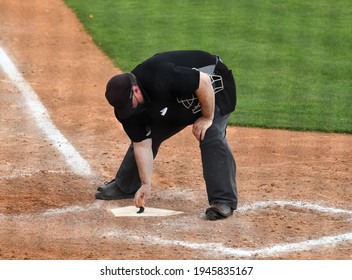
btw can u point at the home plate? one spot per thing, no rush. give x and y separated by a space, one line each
131 211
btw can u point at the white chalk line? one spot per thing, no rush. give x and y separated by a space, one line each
219 248
71 209
297 204
72 157
21 173
54 212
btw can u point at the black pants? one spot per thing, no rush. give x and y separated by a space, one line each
219 166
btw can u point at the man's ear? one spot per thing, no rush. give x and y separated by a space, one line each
136 90
138 94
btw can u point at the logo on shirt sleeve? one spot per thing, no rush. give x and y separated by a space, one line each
163 111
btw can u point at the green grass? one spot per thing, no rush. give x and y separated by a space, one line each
291 59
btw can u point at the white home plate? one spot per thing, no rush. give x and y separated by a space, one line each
131 211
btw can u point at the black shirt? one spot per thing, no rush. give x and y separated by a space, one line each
168 81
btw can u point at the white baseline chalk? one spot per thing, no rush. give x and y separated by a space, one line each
219 248
72 157
296 204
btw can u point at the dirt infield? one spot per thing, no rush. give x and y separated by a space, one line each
295 188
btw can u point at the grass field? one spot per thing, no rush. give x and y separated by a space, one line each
291 59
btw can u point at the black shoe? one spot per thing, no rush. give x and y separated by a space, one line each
110 191
218 211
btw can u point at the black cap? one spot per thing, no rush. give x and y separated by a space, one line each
119 93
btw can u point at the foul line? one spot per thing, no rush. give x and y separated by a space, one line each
78 165
238 252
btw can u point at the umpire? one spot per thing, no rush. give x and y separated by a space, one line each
159 98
